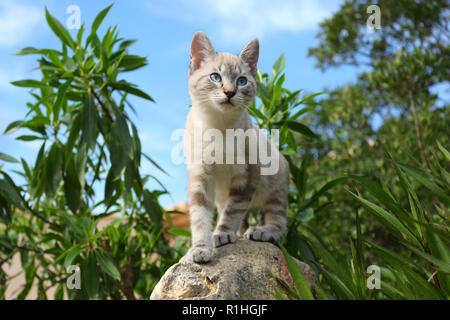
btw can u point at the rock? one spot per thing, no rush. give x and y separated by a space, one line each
235 271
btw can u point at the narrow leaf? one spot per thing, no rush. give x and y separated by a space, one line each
107 264
297 277
7 158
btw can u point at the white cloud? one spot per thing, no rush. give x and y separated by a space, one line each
17 21
236 21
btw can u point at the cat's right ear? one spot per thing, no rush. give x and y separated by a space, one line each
201 49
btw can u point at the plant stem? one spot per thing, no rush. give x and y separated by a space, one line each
33 212
100 102
416 123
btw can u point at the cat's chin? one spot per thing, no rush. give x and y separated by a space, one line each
226 103
227 106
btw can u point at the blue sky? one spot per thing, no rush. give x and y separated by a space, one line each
164 31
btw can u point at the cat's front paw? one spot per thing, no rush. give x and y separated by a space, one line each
262 234
201 255
221 238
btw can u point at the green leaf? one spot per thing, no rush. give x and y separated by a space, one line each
123 131
59 30
29 83
439 250
320 293
99 18
118 156
37 124
276 293
10 194
360 257
28 138
301 128
107 264
444 151
357 273
296 115
388 219
132 62
89 122
382 196
80 35
337 284
297 276
72 253
31 50
111 184
438 263
25 51
279 65
395 259
13 126
179 232
256 113
60 98
310 97
392 292
324 189
30 274
5 215
125 44
72 223
287 290
72 187
424 179
91 276
54 167
306 253
276 93
59 292
152 207
126 87
7 158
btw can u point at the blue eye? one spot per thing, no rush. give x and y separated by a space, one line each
242 81
215 77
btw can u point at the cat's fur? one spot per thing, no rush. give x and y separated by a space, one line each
233 188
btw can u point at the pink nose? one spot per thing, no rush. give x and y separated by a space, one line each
230 94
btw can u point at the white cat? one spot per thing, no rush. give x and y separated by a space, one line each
222 86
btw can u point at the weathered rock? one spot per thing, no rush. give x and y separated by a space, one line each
235 271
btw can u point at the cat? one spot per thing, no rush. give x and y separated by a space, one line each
221 87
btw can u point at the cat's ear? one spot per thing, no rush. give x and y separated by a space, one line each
250 54
201 48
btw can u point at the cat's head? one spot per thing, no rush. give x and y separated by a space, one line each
222 81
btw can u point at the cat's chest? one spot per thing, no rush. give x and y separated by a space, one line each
223 175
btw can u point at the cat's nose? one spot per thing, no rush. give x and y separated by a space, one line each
229 94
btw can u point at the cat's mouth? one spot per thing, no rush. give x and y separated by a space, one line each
227 102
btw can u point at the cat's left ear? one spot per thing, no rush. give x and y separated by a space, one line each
250 54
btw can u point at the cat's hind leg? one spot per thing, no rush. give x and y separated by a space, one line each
245 223
272 222
244 226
